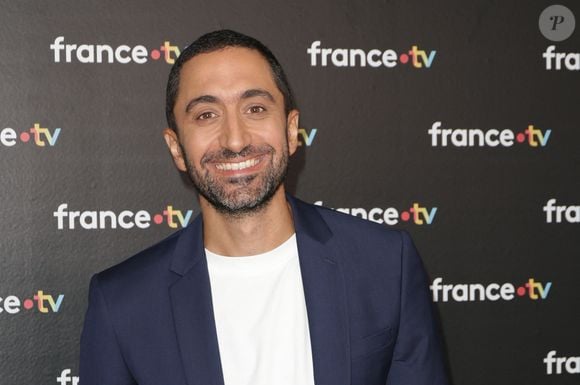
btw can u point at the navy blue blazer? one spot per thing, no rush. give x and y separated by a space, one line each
150 319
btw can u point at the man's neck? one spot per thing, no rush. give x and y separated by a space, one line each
251 234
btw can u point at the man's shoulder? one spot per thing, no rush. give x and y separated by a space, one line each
363 248
353 228
356 243
144 268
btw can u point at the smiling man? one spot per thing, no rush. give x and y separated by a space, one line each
261 288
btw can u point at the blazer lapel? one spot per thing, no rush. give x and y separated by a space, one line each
324 291
192 309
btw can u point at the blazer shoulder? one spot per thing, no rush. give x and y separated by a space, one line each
358 243
349 226
142 268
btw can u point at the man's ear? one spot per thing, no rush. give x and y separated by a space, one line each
172 141
292 124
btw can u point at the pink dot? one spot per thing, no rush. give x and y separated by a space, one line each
405 216
25 137
404 58
28 304
520 137
155 54
158 219
521 291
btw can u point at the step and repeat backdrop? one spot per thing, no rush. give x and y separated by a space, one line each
459 122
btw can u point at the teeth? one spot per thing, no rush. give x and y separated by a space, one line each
237 166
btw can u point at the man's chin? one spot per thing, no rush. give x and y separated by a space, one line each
242 201
239 208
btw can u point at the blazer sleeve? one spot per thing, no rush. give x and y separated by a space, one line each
101 360
417 357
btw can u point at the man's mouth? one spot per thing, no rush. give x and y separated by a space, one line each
236 166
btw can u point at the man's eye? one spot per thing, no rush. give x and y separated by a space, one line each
256 109
206 115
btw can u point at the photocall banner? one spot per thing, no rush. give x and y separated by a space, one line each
458 122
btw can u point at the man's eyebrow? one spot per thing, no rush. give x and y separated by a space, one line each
201 99
245 95
257 92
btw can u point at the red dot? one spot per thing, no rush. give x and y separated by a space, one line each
28 304
155 54
158 219
520 137
25 137
405 216
521 291
404 58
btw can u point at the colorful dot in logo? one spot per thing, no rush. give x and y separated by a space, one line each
520 137
405 216
404 58
25 137
521 291
28 304
158 219
155 54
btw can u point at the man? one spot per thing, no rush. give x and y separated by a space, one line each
261 288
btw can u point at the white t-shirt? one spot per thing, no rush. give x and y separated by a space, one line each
261 319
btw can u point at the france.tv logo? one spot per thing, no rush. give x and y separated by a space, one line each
39 302
37 135
305 137
477 292
416 214
66 378
105 53
126 219
561 365
561 213
475 137
355 57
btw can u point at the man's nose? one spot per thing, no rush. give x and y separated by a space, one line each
235 135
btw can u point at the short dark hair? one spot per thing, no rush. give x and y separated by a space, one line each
215 41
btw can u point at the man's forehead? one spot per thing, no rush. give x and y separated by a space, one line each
227 61
227 70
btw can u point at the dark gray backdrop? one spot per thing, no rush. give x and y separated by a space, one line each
370 150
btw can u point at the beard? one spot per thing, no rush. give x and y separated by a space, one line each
239 196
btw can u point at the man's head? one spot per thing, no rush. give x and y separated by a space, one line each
215 41
232 121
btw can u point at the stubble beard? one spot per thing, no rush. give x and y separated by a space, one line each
244 199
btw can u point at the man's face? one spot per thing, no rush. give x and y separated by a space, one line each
234 136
